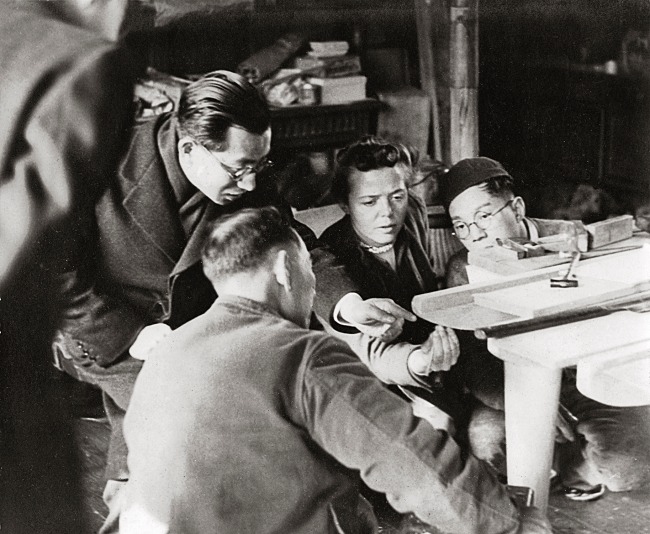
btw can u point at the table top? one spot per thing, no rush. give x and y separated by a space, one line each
456 307
619 335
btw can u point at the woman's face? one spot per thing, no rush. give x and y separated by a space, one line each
377 203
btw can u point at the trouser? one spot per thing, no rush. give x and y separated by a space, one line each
613 445
116 382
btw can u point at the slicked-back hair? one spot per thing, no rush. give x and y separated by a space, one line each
368 154
241 241
217 101
500 186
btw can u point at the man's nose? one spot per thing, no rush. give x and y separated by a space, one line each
247 183
476 233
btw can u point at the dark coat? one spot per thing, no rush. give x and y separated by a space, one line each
135 267
374 278
145 270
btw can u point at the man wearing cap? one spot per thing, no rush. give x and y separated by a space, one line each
607 446
479 193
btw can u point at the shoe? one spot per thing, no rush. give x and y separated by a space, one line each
585 495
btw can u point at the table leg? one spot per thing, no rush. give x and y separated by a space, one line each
531 402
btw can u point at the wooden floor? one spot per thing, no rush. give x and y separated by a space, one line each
615 513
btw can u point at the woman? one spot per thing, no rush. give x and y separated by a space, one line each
383 243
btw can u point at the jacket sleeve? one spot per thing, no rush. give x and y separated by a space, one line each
64 155
352 416
387 361
93 325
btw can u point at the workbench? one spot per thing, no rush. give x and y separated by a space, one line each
616 346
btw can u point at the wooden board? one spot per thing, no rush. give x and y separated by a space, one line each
506 266
456 308
537 299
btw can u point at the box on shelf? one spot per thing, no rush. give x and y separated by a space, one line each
340 90
331 67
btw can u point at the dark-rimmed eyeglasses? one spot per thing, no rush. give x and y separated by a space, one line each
237 175
482 220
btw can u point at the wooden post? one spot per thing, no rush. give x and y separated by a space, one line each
448 53
428 44
463 89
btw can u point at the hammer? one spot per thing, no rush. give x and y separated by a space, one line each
568 280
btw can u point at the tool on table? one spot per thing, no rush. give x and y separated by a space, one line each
569 279
517 249
638 303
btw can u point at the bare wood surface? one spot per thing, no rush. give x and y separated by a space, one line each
463 91
456 308
427 45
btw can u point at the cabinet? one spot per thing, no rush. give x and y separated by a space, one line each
557 126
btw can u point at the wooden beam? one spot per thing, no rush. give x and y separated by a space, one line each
463 89
448 53
427 46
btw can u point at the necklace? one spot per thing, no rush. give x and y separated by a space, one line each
378 250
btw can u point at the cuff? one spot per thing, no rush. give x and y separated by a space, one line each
420 379
336 320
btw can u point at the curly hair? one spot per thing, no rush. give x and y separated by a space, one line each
367 154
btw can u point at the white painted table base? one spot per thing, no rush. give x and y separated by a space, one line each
531 397
533 369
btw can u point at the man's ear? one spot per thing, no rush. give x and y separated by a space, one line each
519 207
345 208
281 270
185 145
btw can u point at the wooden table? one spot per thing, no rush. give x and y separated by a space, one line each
534 362
533 370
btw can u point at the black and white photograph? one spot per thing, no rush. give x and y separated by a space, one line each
325 266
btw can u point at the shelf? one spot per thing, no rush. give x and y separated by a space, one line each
323 126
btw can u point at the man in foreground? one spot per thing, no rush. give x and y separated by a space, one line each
246 422
66 95
608 445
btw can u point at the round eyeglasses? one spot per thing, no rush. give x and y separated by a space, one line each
482 220
237 175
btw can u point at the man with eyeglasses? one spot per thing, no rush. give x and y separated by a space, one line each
598 445
139 271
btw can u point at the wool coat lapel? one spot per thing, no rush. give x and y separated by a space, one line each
151 202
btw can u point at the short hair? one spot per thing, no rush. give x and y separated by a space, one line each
241 241
217 101
367 154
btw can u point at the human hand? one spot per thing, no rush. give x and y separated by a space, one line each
438 353
377 317
533 521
